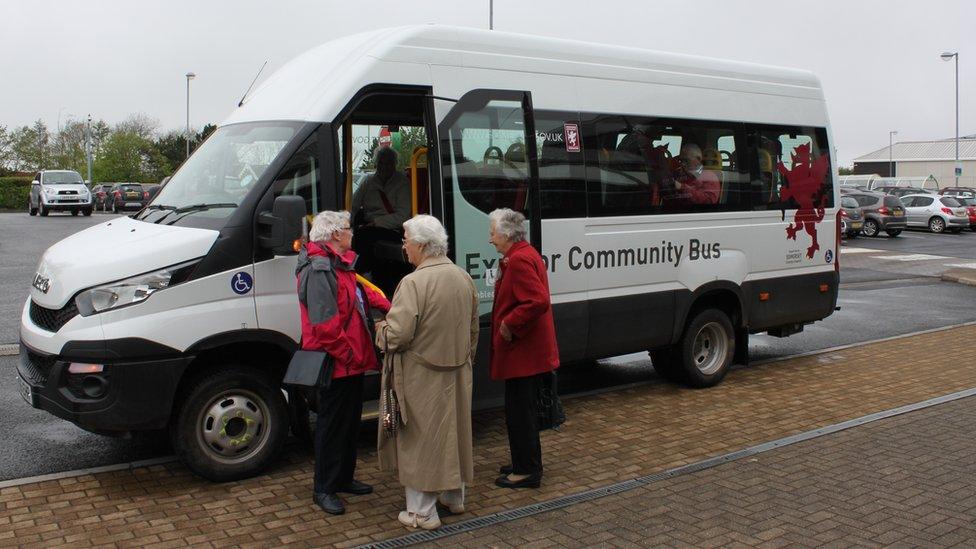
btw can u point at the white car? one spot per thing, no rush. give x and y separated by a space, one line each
938 213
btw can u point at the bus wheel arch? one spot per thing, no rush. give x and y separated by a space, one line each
230 418
707 345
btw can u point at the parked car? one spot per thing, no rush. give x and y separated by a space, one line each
128 196
938 213
958 191
848 189
969 203
152 189
902 191
882 212
851 217
59 190
100 196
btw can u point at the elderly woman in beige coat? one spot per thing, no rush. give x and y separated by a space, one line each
429 337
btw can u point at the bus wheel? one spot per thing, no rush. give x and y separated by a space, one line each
707 348
231 424
666 365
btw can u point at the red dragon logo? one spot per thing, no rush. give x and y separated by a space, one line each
804 184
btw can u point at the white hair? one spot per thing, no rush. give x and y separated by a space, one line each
427 232
509 224
326 223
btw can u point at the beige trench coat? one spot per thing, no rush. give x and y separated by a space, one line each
430 336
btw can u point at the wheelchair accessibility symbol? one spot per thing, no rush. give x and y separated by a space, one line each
241 283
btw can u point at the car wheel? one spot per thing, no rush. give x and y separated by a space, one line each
706 348
231 424
74 212
870 228
893 233
42 210
88 212
937 224
31 210
852 235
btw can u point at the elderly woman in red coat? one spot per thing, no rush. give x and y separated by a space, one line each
523 344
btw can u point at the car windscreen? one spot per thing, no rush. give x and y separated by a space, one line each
951 202
211 184
58 178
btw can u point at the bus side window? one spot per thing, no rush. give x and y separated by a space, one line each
561 183
788 157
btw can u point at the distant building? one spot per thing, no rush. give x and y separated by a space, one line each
923 159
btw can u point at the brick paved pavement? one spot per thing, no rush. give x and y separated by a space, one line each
907 481
608 438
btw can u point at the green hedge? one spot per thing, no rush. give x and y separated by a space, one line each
14 191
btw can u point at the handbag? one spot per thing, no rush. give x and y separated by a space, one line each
550 412
309 370
391 420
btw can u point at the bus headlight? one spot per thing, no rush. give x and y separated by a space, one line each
131 290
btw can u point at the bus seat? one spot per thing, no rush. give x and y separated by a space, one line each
712 160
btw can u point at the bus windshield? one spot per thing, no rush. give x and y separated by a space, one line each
218 175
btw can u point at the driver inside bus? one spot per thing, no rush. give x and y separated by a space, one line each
692 182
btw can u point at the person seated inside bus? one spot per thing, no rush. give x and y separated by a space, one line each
693 184
379 207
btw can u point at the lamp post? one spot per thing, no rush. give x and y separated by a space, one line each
88 147
945 57
891 171
189 76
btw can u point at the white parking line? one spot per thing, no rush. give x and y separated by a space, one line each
962 265
909 257
845 250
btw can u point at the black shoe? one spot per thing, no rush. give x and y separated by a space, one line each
506 469
531 481
330 503
357 488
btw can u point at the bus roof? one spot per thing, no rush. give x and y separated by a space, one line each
317 84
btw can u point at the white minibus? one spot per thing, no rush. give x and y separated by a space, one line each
681 203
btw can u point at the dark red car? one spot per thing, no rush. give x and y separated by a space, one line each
127 196
970 203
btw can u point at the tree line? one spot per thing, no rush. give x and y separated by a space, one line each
133 150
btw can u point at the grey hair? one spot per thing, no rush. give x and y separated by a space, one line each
508 223
692 148
426 231
326 223
384 151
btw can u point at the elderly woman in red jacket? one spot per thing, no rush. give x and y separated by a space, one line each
523 344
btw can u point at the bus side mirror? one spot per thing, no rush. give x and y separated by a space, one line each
279 228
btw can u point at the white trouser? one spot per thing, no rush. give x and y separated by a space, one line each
425 503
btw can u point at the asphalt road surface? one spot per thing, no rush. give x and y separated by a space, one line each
888 287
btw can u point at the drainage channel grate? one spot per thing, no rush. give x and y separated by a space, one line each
596 493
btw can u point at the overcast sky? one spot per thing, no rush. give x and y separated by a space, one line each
878 60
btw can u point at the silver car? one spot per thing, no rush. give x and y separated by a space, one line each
938 213
59 190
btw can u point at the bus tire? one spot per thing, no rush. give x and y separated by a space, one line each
706 349
230 424
666 365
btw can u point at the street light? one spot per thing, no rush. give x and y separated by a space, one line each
189 76
945 57
891 171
